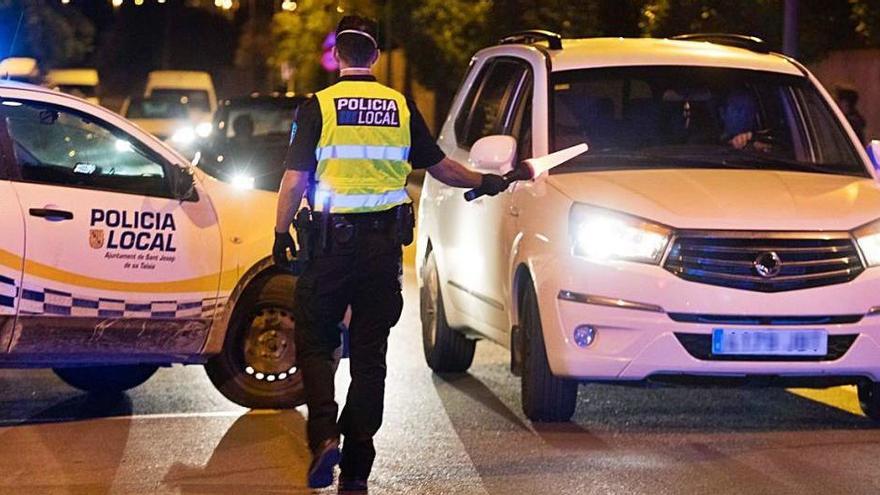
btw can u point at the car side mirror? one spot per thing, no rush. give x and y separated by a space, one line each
494 154
873 150
183 184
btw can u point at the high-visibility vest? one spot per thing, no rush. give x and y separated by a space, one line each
363 152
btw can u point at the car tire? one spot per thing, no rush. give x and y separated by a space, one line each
545 398
869 399
446 349
106 379
257 366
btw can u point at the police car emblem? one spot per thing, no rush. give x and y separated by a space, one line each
96 238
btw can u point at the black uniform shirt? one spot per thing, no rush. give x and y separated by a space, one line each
423 153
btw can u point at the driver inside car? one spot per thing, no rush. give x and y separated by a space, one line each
739 117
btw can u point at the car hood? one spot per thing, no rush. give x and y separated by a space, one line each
729 199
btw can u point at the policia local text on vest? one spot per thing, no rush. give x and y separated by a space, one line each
352 147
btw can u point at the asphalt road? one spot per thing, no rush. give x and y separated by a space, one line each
460 434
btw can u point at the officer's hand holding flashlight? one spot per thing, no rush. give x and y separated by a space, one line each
284 243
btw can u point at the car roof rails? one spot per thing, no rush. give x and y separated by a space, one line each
737 40
554 40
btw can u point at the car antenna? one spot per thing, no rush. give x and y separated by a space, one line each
14 38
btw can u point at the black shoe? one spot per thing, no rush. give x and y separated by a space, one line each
323 461
352 484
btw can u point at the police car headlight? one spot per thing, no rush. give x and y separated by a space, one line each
184 135
204 129
599 234
242 181
868 237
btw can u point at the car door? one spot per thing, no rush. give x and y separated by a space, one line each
479 275
112 257
11 251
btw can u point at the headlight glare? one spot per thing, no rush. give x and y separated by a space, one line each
600 234
204 129
868 238
184 135
242 181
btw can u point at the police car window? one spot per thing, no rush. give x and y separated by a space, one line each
490 109
55 146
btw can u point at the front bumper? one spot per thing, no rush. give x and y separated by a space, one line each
637 344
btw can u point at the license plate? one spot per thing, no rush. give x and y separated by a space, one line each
728 341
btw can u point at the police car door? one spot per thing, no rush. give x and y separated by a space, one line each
11 250
494 111
108 248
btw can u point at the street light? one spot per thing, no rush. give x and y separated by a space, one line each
288 5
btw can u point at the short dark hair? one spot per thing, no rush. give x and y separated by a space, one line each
355 49
847 94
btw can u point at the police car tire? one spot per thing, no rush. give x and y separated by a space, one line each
227 370
869 399
446 349
106 379
545 398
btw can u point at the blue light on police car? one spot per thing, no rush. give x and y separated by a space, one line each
584 335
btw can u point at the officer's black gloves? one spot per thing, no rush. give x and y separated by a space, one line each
283 244
492 184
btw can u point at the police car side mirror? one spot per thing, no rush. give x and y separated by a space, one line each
873 150
494 154
183 185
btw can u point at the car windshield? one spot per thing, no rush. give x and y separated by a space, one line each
194 99
697 117
258 118
155 108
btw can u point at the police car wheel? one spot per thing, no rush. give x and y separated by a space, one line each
869 399
545 398
257 366
446 349
106 379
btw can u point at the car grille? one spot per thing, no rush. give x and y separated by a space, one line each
699 346
730 261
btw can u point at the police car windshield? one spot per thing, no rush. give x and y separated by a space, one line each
697 117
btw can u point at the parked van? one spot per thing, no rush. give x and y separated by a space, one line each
23 69
82 82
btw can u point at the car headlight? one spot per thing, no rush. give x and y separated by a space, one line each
184 135
601 234
204 129
242 181
868 237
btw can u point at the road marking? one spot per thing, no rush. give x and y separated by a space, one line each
845 398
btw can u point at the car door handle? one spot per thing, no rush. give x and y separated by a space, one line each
51 214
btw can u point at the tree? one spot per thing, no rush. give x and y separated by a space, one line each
53 35
297 37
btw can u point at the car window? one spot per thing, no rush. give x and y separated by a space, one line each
697 117
53 145
522 122
155 108
490 110
258 119
194 99
461 121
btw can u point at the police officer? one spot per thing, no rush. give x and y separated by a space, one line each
354 144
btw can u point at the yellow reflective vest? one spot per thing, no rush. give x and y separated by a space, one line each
363 152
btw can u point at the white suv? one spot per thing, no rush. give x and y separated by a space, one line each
116 257
723 226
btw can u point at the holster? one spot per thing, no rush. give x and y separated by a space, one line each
305 234
406 223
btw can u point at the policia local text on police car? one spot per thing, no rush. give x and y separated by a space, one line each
353 147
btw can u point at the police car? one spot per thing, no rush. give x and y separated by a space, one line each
118 257
723 226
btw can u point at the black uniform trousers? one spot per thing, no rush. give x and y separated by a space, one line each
363 271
